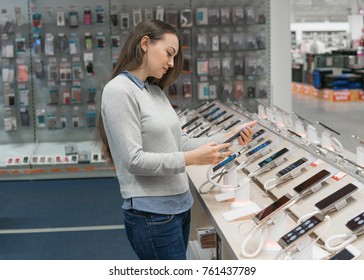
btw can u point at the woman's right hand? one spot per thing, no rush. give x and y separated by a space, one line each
210 153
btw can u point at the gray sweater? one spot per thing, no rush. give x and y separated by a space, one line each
146 140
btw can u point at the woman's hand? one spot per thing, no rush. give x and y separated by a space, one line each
246 134
210 153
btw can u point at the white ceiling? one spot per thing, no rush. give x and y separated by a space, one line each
323 10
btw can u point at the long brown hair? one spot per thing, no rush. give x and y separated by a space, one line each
131 57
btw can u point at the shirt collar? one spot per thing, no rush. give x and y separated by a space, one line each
135 79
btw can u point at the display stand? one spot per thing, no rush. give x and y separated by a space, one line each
360 155
261 111
275 231
242 206
300 128
329 142
312 134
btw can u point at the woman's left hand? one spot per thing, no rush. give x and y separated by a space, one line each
246 134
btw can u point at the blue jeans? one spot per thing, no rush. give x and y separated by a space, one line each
158 236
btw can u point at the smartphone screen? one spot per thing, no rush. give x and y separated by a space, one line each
269 210
344 254
224 162
231 125
213 111
336 197
190 122
207 108
258 133
224 119
213 118
305 228
290 167
273 157
312 181
257 149
199 106
356 223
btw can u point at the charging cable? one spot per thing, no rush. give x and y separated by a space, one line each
306 216
230 166
215 183
264 232
272 183
346 240
263 229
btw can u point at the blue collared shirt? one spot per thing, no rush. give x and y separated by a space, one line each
172 204
135 79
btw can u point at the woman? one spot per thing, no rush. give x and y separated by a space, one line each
141 135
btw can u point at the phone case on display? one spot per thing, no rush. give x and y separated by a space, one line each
87 17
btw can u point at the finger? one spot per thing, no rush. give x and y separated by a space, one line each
227 153
250 123
244 139
249 133
223 146
212 144
220 155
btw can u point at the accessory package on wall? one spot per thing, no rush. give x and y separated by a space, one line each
56 58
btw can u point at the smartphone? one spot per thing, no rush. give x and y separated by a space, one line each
201 105
213 111
273 157
348 253
329 201
224 119
272 208
218 115
224 162
290 167
329 128
302 118
232 138
207 108
304 228
202 132
294 133
257 149
315 179
356 223
182 111
189 130
231 125
190 122
257 133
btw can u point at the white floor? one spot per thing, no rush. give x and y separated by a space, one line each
345 117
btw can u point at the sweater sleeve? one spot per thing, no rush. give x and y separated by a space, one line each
122 121
188 143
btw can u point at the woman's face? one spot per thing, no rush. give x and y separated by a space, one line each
160 55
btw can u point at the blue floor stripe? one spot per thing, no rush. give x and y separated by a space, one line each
88 245
63 204
60 203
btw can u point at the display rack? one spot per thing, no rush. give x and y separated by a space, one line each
305 158
62 55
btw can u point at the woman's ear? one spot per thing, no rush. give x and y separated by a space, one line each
144 43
